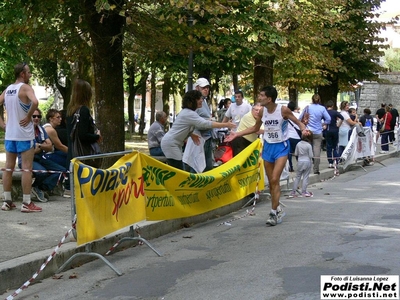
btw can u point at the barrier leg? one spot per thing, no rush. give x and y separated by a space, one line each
88 254
133 238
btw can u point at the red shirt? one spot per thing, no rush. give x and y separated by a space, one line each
388 117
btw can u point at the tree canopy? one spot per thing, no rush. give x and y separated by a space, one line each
297 44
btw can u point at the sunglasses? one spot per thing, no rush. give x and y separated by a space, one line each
37 116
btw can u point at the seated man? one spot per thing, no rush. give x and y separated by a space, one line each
247 121
156 133
60 149
44 181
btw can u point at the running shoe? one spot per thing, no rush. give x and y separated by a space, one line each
292 194
307 194
272 220
31 207
38 194
8 205
279 216
67 194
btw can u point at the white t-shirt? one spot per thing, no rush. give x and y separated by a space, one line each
346 116
236 112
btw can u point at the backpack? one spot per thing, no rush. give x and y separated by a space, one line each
223 153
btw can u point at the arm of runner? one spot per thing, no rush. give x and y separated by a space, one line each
2 123
247 131
287 114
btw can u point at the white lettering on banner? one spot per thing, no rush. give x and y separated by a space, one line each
359 286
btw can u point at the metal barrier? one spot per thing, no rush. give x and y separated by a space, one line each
88 248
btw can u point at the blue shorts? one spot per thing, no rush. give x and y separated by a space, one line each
18 146
271 152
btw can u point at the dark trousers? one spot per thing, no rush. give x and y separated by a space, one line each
44 180
175 163
385 140
239 144
332 140
392 137
292 144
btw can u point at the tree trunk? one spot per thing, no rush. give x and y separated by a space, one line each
329 92
131 98
235 81
293 94
142 123
106 32
263 73
165 94
153 96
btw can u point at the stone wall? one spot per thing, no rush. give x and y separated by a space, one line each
374 93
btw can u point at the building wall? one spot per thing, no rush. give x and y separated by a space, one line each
374 93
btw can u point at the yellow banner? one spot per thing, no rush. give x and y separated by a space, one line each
138 187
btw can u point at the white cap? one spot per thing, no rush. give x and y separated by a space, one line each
202 82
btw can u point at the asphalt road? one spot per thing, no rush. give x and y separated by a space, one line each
350 227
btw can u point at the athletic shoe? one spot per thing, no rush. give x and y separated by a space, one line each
383 152
31 207
38 193
8 205
67 194
292 194
279 216
272 220
307 194
331 166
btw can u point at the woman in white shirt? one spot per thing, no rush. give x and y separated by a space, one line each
345 127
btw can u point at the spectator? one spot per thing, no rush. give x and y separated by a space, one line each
304 154
293 134
332 134
345 127
357 125
59 155
237 110
81 100
395 115
317 114
379 114
276 149
20 101
223 107
186 121
366 119
45 181
247 121
203 86
385 123
156 133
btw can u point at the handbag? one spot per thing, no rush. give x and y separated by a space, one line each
82 149
382 129
306 116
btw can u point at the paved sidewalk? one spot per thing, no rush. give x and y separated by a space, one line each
28 239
